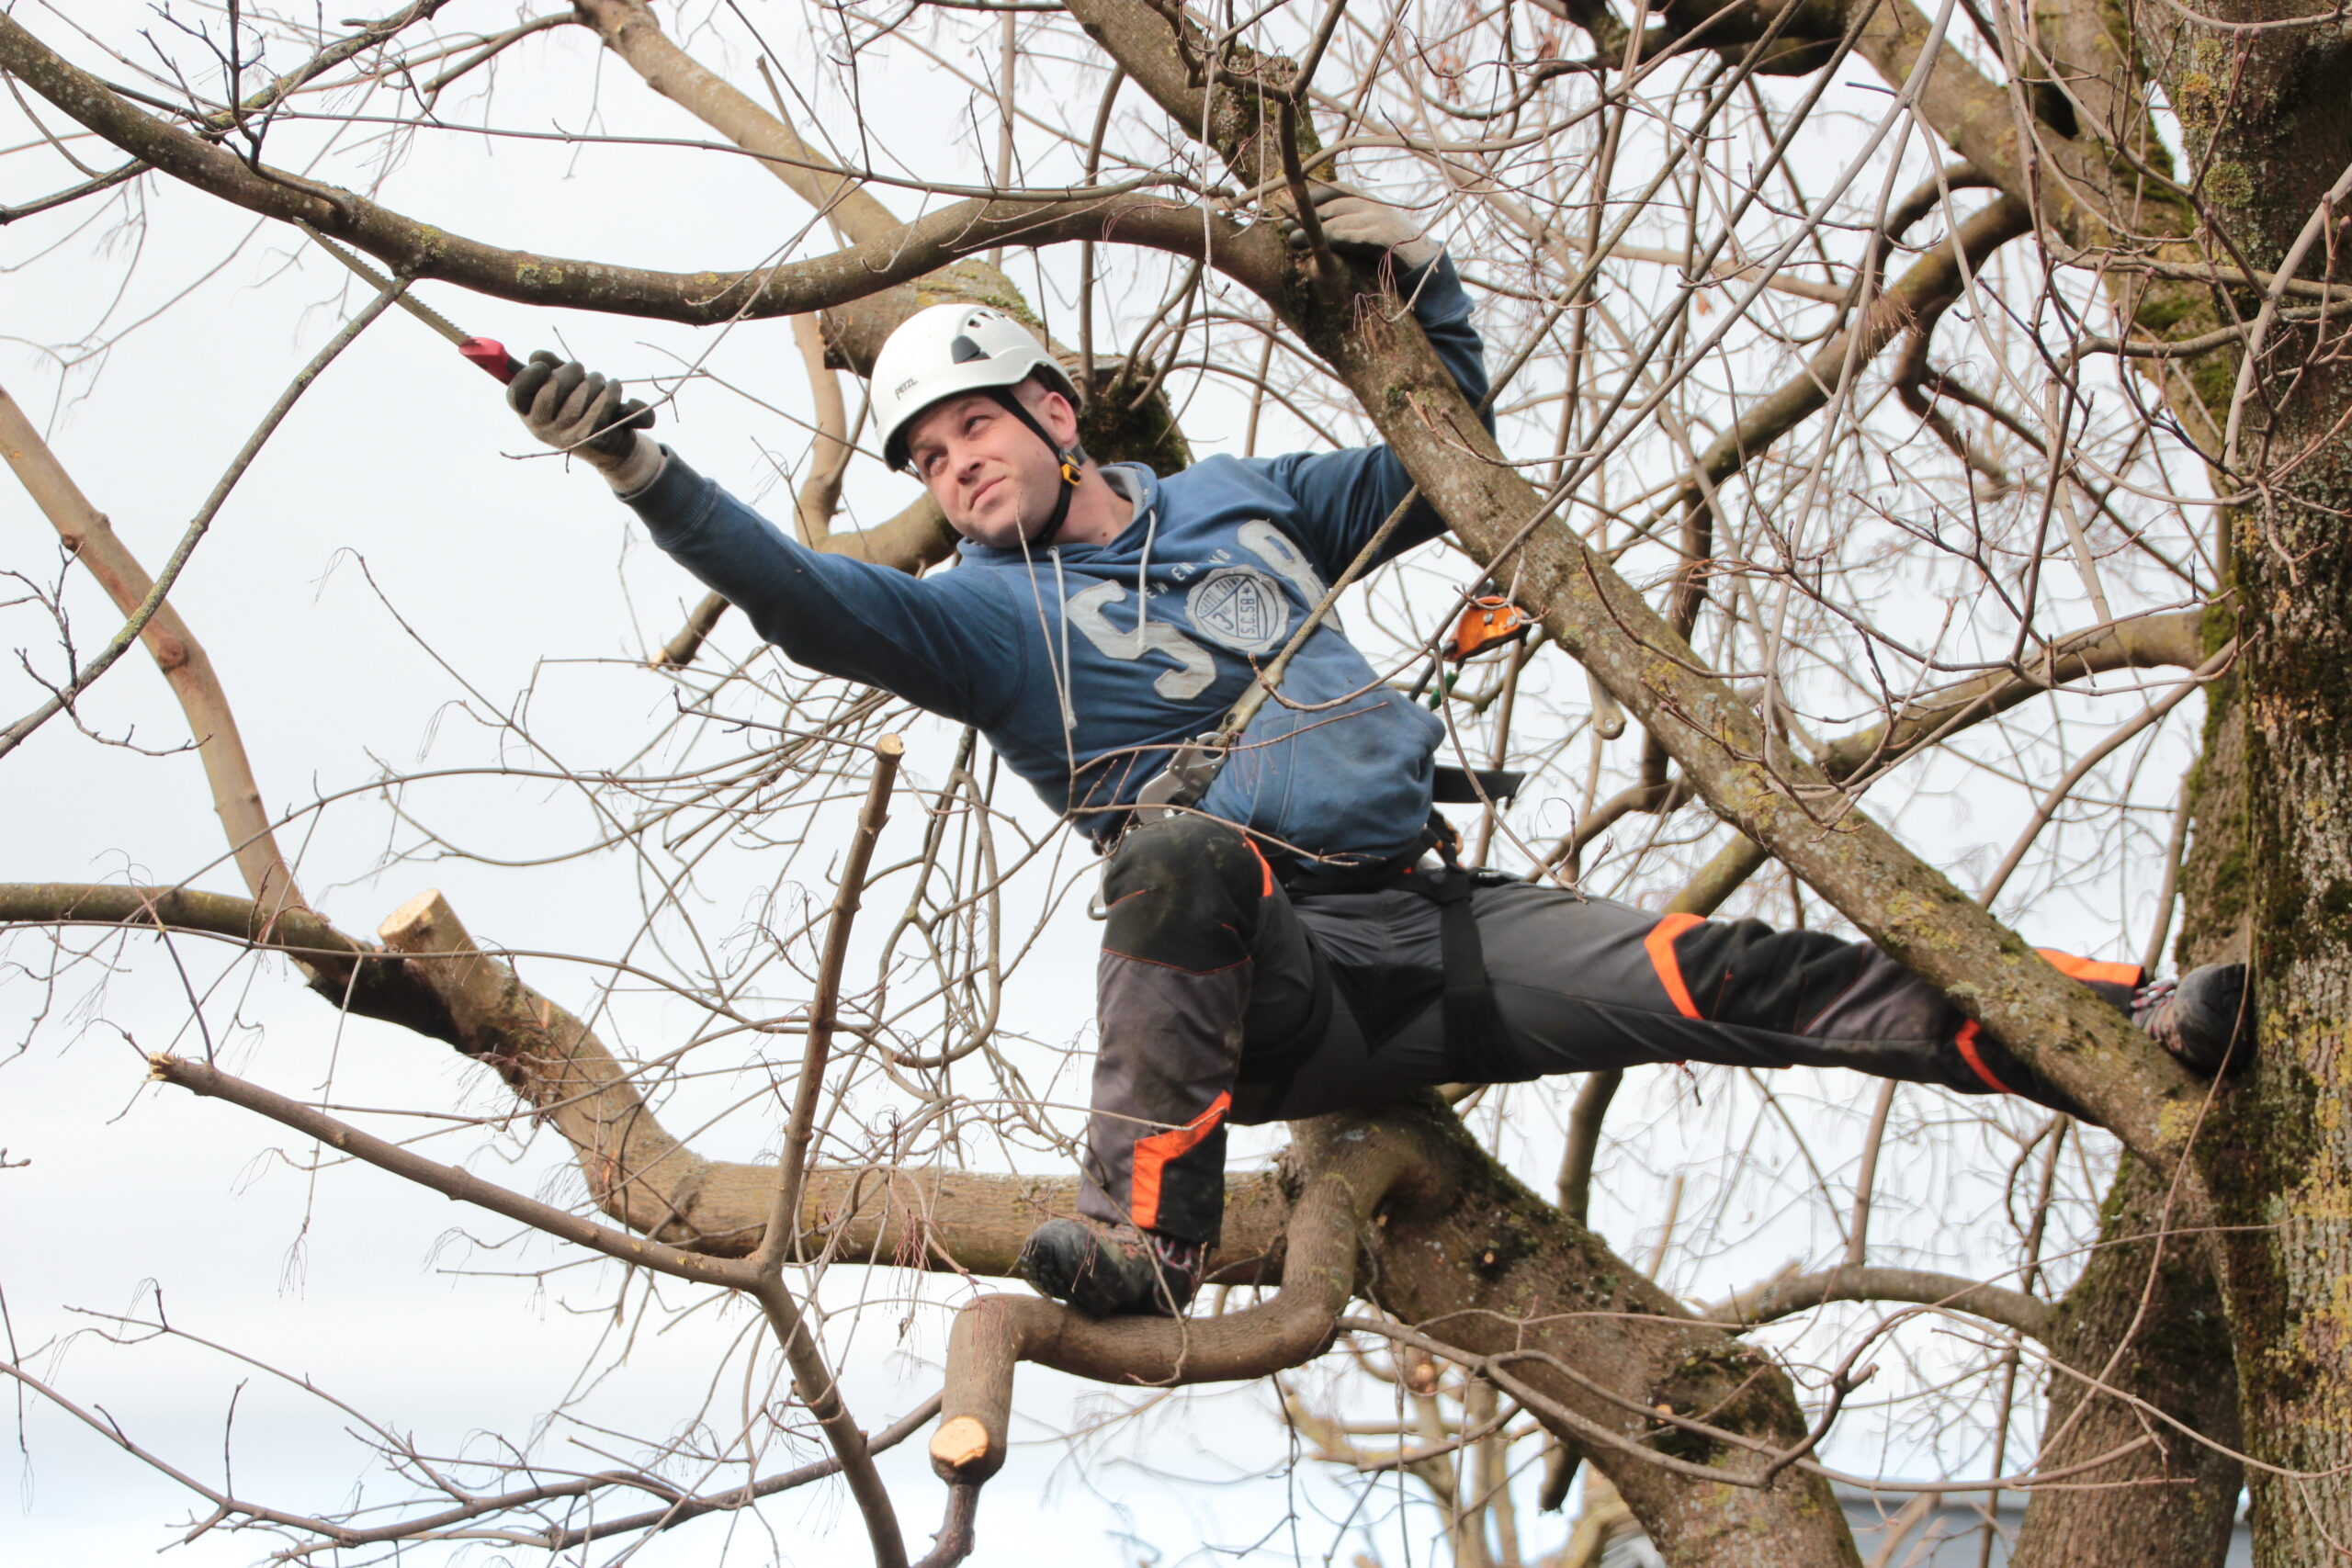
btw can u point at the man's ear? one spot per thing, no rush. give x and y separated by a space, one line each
1054 410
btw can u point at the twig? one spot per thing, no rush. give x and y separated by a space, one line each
2091 759
813 1380
65 696
200 1078
767 1262
701 621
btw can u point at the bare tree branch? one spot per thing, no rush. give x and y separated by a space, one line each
944 1220
1784 1298
93 542
418 250
134 626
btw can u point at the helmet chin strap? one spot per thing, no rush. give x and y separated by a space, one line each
1067 458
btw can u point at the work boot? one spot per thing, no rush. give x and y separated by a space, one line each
2199 1017
1112 1270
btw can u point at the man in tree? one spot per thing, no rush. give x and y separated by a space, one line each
1279 944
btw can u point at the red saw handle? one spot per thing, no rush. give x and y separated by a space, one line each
491 355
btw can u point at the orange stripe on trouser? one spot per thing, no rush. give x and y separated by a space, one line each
1966 1041
2090 971
1659 944
1153 1154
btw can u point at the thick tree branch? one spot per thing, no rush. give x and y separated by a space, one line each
420 250
938 1219
93 542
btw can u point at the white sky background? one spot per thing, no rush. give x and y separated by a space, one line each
526 578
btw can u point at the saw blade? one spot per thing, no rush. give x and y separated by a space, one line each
425 314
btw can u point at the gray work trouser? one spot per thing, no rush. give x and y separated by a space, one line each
1223 999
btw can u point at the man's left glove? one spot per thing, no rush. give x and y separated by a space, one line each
1355 221
573 410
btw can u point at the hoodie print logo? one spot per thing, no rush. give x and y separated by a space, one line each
1273 547
1241 607
1195 667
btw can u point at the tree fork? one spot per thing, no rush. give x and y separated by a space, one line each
1471 1257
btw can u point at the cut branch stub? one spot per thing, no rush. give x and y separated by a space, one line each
994 1334
551 1059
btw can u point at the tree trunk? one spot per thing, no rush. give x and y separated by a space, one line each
2265 116
2145 1319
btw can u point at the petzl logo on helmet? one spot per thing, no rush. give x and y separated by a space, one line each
1240 608
900 390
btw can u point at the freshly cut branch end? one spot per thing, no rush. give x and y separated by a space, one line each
958 1445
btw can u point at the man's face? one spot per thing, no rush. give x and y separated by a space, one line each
988 472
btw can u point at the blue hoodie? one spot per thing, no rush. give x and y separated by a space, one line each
1082 690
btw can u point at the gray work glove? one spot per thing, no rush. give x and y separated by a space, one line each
568 408
1353 221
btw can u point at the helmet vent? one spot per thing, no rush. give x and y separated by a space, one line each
964 350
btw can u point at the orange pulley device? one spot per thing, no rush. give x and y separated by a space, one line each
1489 621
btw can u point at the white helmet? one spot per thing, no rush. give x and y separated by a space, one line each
944 351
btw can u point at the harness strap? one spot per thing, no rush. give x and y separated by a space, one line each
1477 1050
1067 457
1473 786
1477 1046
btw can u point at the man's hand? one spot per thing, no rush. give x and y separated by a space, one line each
568 408
1355 221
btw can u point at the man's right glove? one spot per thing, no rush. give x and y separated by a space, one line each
574 411
1354 221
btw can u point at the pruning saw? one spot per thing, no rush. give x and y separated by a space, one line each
488 353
